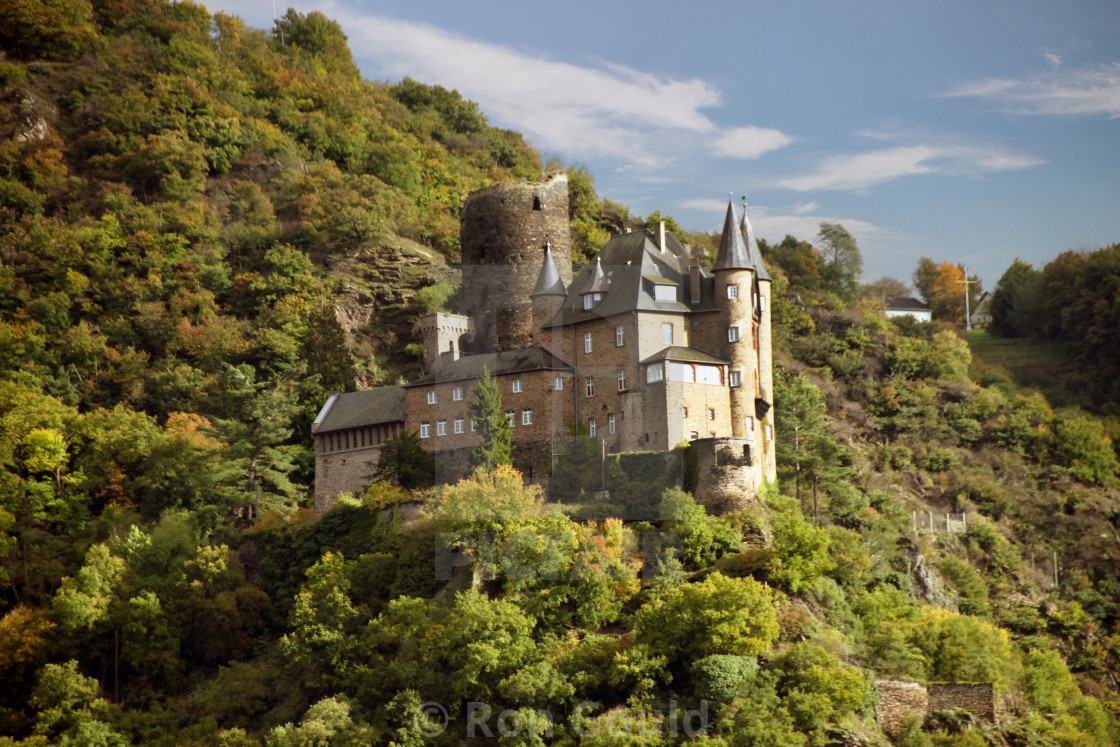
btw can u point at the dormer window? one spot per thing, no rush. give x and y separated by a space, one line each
665 293
590 300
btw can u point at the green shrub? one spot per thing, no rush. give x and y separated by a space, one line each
722 677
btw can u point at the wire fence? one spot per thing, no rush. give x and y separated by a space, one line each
927 521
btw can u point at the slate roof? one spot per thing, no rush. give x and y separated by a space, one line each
733 253
906 303
549 282
356 409
469 367
680 353
626 271
755 254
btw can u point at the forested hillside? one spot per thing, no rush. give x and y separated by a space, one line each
205 228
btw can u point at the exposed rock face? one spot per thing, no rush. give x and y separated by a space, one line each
928 586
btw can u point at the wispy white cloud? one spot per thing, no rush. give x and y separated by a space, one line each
584 111
860 171
1084 91
773 224
750 142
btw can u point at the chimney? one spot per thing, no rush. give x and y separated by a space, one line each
661 235
694 280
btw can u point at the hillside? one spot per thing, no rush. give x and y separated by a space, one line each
205 228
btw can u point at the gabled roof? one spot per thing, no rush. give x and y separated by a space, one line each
680 353
367 407
505 362
549 282
626 270
906 303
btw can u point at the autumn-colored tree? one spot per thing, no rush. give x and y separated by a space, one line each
941 285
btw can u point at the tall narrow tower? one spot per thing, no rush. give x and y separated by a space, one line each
504 231
735 281
763 341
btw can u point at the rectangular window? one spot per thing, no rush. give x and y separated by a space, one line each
458 425
769 433
733 334
587 342
588 302
618 335
711 413
509 418
591 427
664 293
735 378
622 381
441 427
526 417
684 412
654 373
425 430
762 303
693 435
474 425
431 398
558 383
457 394
610 424
749 423
667 333
589 385
733 292
517 386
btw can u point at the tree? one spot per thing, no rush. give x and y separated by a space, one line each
496 447
719 615
843 262
942 287
259 463
886 287
1014 302
405 462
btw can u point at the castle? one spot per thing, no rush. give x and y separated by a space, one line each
644 348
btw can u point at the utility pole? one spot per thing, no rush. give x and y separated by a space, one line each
966 282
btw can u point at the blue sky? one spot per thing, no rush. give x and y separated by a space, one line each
971 132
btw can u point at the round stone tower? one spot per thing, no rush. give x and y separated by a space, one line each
734 274
504 231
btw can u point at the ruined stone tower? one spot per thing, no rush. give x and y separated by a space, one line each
504 231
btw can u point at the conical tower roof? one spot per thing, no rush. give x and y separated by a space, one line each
549 282
753 251
599 281
733 253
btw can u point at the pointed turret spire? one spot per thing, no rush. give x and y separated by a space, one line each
599 279
733 254
549 282
753 251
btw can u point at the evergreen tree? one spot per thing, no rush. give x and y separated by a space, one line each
486 411
258 463
404 462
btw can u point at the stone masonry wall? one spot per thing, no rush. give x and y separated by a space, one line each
978 699
503 232
900 700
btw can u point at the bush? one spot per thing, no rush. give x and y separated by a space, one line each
722 677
